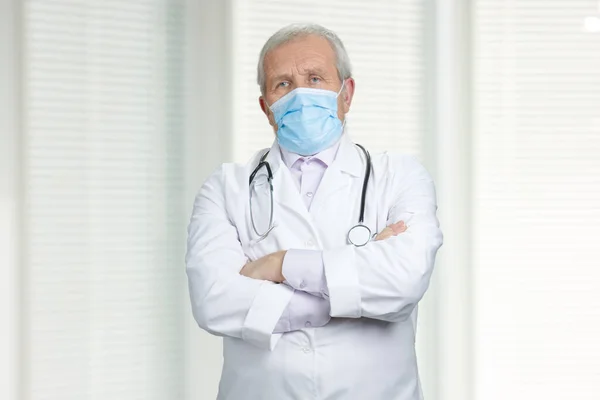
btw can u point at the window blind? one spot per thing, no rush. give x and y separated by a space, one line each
384 40
103 182
537 197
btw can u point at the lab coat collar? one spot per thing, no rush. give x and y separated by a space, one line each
274 158
348 158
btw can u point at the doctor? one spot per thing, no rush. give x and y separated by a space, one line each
310 259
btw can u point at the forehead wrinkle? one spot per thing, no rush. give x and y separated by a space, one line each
308 67
282 73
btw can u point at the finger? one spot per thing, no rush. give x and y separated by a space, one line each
398 227
392 230
402 229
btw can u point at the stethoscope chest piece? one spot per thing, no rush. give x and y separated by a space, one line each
359 235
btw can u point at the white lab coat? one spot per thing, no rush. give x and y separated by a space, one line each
367 349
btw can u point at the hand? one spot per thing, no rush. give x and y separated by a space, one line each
267 268
392 230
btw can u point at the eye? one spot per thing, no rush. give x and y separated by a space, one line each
315 80
283 84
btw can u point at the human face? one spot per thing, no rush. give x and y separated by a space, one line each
308 62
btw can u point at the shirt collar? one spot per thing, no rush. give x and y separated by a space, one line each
326 156
348 157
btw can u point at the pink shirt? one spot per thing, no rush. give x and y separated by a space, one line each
308 171
303 269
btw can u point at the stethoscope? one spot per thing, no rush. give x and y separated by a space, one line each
358 235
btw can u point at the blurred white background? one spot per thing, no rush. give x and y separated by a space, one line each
113 112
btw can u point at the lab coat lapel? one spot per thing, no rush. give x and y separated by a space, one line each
346 167
286 196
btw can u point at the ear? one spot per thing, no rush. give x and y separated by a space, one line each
265 109
348 94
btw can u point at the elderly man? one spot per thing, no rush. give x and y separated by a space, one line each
311 258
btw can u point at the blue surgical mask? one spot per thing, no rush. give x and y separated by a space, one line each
307 120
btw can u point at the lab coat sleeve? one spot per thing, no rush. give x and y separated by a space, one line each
224 302
303 270
304 310
386 279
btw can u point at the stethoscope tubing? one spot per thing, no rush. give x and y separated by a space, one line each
264 163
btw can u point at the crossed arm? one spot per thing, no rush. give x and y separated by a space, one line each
270 267
384 279
309 306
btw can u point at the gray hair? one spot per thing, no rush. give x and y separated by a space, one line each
293 31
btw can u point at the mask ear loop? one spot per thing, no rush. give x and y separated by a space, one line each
271 110
338 95
342 88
